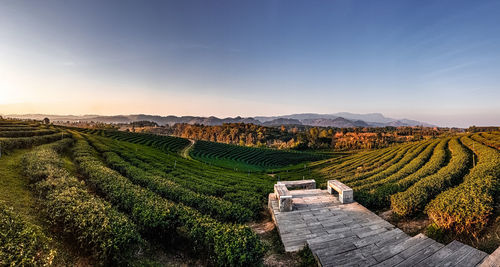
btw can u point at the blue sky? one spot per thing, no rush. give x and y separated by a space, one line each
435 61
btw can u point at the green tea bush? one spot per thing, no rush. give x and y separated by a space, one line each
216 207
406 169
241 189
228 244
22 243
385 162
165 143
414 152
26 142
466 208
26 133
418 195
98 228
379 196
251 158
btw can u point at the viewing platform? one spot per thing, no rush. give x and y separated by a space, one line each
351 235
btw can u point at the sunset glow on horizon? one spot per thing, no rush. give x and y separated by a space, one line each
425 61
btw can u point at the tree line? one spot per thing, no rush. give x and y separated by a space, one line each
300 137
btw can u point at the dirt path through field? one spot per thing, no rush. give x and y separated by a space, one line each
14 190
185 151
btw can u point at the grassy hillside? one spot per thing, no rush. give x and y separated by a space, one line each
115 198
238 158
102 197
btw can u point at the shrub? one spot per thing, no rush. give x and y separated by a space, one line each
26 133
107 234
466 208
22 243
216 207
417 196
229 244
26 142
377 194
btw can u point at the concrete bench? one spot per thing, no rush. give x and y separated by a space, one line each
284 197
303 184
346 194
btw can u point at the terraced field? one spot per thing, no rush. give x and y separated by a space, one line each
138 190
410 179
165 143
25 239
121 196
454 180
248 158
237 158
246 189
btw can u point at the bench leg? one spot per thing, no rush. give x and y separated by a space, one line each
285 204
346 197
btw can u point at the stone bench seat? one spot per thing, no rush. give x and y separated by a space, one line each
284 197
346 194
302 184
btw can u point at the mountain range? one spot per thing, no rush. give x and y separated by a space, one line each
339 120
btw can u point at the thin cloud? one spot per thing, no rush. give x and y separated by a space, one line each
449 69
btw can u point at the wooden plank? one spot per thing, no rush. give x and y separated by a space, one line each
325 254
493 260
397 239
389 251
441 254
371 232
424 242
390 262
328 244
343 258
473 258
376 238
457 256
415 259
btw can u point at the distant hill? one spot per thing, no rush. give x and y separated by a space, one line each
359 120
281 121
339 120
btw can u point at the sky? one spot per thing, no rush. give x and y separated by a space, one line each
433 61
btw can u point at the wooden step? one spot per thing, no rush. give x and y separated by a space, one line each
351 235
492 260
441 254
386 252
464 256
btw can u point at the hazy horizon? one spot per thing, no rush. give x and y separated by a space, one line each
259 115
431 61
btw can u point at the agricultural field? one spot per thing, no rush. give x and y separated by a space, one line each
248 158
117 198
100 197
451 180
237 158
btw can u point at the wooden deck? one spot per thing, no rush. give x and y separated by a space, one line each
351 235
